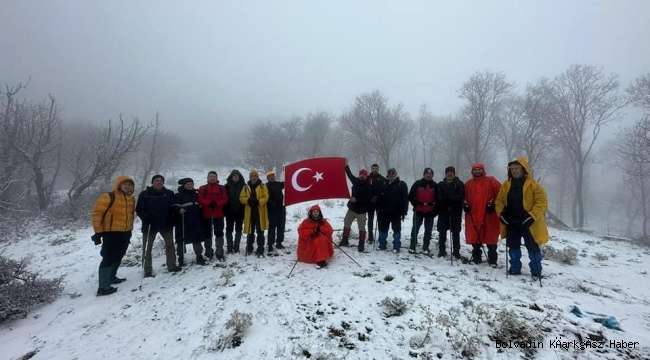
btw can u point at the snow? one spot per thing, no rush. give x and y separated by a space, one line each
181 316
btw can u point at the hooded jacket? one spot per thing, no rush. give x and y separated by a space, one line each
120 215
534 200
315 239
481 226
234 206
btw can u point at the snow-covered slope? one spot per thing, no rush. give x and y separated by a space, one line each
330 313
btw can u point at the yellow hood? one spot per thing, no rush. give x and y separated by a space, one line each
119 180
523 161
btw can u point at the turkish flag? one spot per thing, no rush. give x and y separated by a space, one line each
314 179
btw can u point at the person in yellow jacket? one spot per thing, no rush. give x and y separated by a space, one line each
521 205
112 219
254 195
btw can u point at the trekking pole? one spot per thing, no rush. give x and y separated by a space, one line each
374 245
183 226
293 267
346 254
506 244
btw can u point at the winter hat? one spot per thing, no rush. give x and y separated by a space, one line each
363 172
212 172
184 181
157 176
450 169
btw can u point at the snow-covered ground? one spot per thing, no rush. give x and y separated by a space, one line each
331 313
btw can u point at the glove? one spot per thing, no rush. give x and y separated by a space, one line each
490 207
466 207
97 238
182 211
528 221
213 205
353 199
503 220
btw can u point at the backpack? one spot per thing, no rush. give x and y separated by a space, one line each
110 204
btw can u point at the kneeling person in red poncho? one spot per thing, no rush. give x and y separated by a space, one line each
315 239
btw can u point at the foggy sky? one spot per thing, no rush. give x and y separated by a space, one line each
217 62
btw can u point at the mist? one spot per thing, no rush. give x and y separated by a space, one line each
213 71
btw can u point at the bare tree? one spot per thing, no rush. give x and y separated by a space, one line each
424 132
511 125
535 134
37 142
270 145
376 125
102 153
10 162
634 154
315 129
639 92
453 140
153 159
584 99
484 94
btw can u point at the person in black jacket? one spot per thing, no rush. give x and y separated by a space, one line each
154 208
188 221
451 193
392 206
423 196
377 181
277 212
358 206
234 211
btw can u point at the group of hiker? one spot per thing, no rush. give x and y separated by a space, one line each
202 218
513 210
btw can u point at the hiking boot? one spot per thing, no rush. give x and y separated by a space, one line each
175 270
109 290
411 251
456 254
395 251
321 265
442 254
200 260
515 273
117 280
149 275
221 258
279 246
426 252
493 265
344 242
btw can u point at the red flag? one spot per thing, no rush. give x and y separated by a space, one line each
313 179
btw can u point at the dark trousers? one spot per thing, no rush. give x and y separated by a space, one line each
513 241
234 223
114 246
384 222
477 253
455 241
418 219
213 226
256 229
277 220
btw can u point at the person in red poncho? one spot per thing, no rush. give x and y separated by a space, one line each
315 239
481 219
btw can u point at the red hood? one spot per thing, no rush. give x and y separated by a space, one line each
478 165
315 207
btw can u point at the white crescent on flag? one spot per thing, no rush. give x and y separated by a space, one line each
294 180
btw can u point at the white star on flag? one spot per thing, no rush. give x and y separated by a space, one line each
318 176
